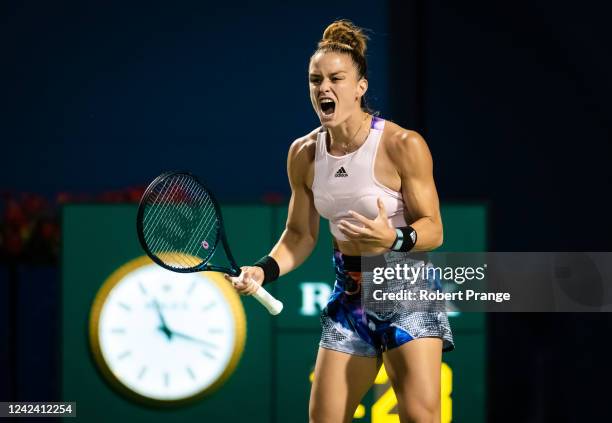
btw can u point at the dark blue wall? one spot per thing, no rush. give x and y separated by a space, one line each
514 98
520 95
104 95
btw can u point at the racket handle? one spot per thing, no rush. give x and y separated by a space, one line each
268 301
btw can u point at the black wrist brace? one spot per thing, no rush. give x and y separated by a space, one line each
270 269
405 240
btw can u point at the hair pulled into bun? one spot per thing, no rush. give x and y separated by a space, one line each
342 36
344 33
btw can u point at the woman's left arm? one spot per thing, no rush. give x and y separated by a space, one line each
412 158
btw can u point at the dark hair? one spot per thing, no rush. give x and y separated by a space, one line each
342 36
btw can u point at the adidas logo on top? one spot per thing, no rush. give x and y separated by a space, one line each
341 173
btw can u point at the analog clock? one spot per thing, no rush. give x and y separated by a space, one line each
163 337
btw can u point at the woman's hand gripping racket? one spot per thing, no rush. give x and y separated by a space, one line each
179 226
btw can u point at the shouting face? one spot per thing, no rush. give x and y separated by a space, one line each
335 87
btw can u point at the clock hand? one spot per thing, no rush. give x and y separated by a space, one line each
164 327
191 338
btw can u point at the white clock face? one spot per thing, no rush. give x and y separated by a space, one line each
167 336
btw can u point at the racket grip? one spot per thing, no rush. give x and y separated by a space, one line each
268 301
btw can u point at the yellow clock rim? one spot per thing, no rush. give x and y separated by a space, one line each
94 319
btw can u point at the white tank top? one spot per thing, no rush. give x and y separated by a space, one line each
343 183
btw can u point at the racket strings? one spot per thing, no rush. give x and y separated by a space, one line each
159 204
161 243
168 208
171 209
167 246
205 222
172 204
204 203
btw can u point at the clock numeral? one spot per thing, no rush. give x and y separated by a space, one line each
125 306
142 288
142 372
166 379
191 373
118 330
167 287
208 354
124 354
191 288
215 330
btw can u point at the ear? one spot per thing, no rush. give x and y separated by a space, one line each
362 87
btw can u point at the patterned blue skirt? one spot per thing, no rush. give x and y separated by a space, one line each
349 327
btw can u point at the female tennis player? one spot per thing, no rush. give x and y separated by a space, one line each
369 178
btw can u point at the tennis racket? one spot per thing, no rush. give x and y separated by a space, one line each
179 226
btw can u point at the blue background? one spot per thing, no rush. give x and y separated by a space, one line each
105 95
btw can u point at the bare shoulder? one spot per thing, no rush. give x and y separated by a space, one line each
401 140
405 146
303 148
301 158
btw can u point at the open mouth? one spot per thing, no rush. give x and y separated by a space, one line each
328 106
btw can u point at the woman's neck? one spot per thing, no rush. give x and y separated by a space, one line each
349 133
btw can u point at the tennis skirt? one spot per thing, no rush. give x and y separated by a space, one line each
350 327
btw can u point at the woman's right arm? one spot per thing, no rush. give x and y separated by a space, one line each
302 228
